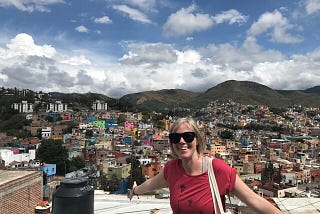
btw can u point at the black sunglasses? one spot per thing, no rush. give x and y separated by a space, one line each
188 137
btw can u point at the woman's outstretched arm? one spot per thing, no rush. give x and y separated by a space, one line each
253 200
154 183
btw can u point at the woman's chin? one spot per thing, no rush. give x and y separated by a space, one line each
184 154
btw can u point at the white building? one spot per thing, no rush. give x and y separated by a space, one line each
34 164
46 133
145 161
99 105
23 107
29 117
8 156
74 153
85 126
291 178
57 107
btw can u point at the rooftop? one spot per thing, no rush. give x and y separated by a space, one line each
298 205
10 175
116 204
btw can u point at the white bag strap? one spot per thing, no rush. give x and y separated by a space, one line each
214 189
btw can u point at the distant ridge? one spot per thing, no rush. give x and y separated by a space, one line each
244 92
313 90
158 100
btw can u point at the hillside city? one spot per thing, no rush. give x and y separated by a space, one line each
274 150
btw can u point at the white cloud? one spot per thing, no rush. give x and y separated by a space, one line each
312 6
82 29
134 14
152 66
232 16
148 54
185 22
84 79
188 56
30 5
103 20
23 45
209 66
290 74
148 5
145 5
77 60
40 67
276 22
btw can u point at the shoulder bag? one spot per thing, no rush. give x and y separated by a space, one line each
215 191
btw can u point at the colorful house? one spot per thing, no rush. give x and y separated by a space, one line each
121 171
90 119
128 126
99 123
49 169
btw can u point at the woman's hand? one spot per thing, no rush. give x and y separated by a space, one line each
132 193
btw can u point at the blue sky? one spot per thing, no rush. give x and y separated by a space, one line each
117 47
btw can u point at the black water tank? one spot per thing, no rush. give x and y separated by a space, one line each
73 196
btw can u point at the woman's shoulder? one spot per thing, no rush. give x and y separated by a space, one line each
225 175
218 161
219 164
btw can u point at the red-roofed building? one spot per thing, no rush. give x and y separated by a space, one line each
315 175
118 154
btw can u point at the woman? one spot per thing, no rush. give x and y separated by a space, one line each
187 175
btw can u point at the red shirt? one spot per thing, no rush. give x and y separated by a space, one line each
192 194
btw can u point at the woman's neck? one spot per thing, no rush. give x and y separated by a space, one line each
193 166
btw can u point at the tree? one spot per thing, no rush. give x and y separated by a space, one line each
49 119
271 174
6 112
136 171
121 119
226 134
15 122
112 184
277 176
146 117
137 143
39 133
52 151
76 163
69 129
89 133
157 120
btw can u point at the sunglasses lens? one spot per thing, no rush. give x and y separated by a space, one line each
188 137
174 138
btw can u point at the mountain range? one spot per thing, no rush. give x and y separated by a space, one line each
244 92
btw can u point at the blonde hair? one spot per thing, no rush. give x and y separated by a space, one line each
191 123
